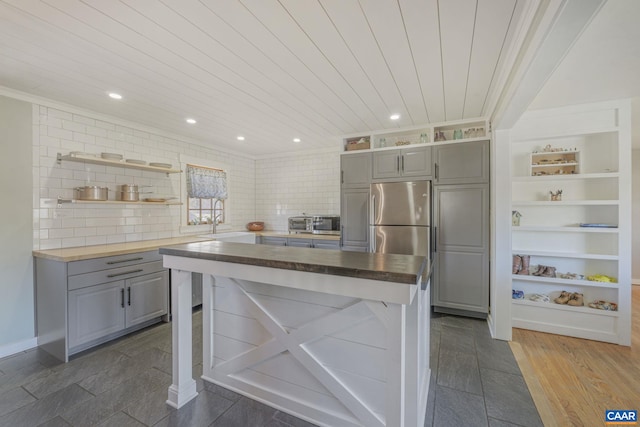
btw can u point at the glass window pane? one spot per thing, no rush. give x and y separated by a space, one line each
194 203
206 203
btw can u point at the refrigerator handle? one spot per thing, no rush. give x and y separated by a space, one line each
373 209
372 239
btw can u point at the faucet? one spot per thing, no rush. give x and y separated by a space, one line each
215 222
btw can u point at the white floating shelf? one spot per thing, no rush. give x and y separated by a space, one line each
572 229
117 163
577 255
566 177
564 307
566 203
556 281
548 165
117 202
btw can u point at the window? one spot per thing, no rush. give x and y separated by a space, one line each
206 195
205 210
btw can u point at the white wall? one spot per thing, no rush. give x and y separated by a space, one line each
292 184
92 224
635 214
16 267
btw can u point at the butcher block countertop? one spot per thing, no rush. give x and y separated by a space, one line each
98 251
406 269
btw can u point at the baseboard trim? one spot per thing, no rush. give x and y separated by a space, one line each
17 347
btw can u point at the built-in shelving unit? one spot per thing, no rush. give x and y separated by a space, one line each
119 163
583 151
436 134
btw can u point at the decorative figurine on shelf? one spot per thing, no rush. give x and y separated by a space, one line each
440 136
557 196
515 218
457 134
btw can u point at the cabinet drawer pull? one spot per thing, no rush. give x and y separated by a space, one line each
129 295
125 273
124 260
122 297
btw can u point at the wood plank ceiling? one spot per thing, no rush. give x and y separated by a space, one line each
269 70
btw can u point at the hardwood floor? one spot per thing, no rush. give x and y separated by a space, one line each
573 381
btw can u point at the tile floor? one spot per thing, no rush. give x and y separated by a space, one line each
475 381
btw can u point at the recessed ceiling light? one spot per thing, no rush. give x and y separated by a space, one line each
191 121
296 139
240 138
394 116
115 95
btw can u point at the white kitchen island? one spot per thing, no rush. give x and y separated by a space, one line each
335 338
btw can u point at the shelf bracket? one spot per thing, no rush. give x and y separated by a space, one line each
61 201
59 159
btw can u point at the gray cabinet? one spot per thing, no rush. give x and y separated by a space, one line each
354 215
275 241
101 310
355 170
461 163
300 242
461 244
326 244
407 162
84 303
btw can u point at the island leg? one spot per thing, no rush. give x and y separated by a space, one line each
183 388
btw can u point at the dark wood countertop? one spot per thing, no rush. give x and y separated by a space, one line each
384 267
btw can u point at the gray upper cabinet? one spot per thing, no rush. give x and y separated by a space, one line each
407 162
461 273
461 163
355 170
354 215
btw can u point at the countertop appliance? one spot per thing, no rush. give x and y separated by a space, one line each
315 224
400 220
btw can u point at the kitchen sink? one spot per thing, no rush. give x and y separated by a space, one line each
232 236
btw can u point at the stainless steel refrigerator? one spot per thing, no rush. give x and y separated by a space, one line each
400 220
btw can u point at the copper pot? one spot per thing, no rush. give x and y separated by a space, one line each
255 226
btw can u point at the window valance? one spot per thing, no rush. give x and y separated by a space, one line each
206 182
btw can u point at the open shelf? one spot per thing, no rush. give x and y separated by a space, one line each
563 307
567 255
566 203
117 163
556 280
571 229
61 201
566 177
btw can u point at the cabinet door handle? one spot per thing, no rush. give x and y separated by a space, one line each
122 297
436 171
341 234
403 163
125 260
435 239
129 295
124 273
341 177
398 164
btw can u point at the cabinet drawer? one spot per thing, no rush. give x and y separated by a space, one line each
111 275
96 264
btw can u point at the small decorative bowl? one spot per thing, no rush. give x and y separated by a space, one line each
255 226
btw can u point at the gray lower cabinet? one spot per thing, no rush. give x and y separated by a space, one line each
354 217
402 163
461 231
81 304
300 242
274 241
461 163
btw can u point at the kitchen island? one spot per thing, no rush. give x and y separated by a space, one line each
336 338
